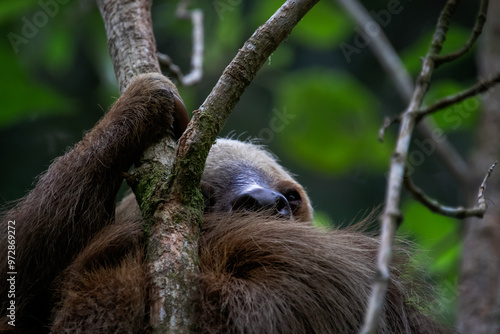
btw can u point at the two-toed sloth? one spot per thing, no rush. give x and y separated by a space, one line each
263 267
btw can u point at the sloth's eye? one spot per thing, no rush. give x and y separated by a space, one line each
293 198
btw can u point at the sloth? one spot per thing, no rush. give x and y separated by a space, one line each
263 266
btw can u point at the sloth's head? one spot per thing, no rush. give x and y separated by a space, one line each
243 177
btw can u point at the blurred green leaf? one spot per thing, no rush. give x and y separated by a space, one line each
462 115
330 122
447 260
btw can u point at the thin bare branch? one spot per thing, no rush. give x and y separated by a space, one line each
476 89
480 195
476 31
391 214
455 212
388 121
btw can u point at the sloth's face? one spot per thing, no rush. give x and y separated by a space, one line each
242 177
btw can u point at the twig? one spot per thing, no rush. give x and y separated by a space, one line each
480 195
391 212
390 61
476 31
196 73
170 67
455 212
388 121
476 89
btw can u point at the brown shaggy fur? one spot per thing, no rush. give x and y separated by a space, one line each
279 276
80 270
104 290
290 277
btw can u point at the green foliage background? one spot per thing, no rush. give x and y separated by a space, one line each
318 110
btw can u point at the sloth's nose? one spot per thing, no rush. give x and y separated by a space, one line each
262 199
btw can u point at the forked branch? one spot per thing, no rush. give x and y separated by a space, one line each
476 32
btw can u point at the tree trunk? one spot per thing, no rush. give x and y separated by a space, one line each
172 229
479 304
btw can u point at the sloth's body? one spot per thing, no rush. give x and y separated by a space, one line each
263 267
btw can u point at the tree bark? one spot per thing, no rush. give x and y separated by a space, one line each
131 42
479 303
